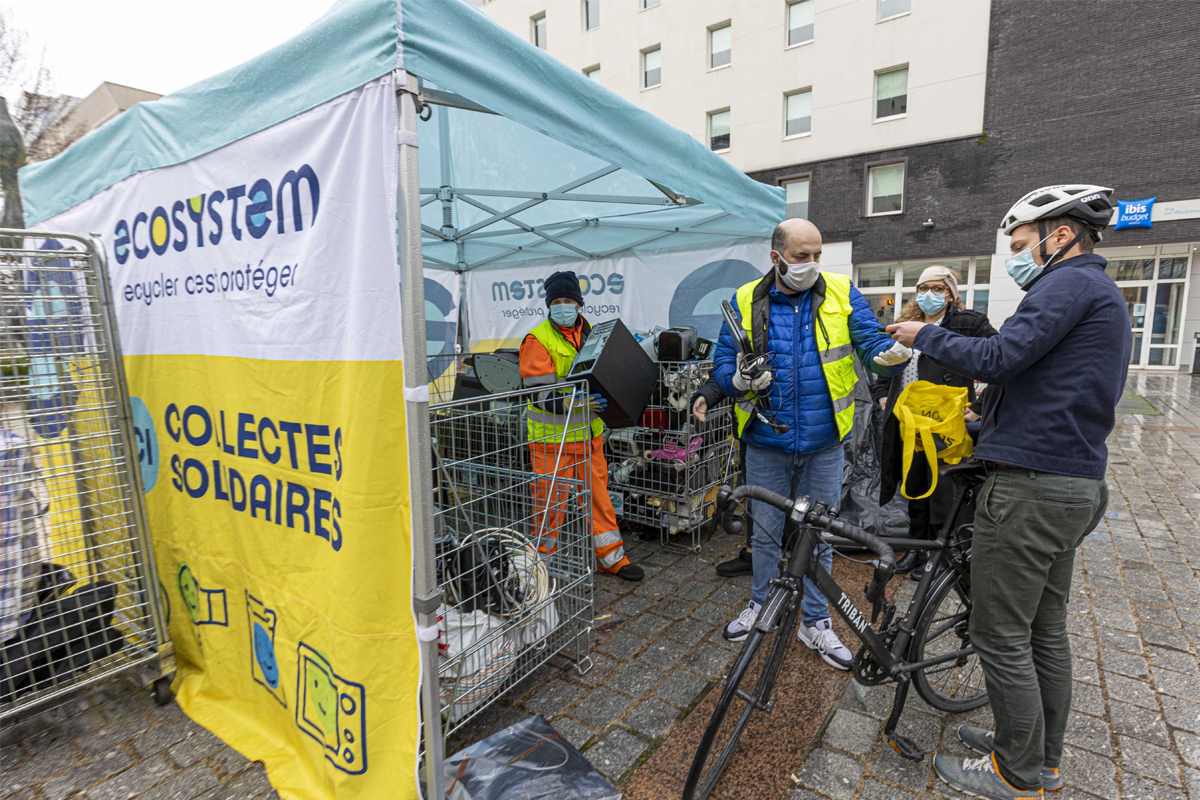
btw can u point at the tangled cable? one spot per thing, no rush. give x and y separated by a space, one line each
516 577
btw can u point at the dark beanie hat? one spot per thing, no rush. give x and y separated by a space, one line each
560 285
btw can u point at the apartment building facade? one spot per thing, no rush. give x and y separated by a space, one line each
906 128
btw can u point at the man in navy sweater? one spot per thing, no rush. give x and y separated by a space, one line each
1054 375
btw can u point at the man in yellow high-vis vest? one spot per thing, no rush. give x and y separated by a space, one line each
811 324
555 421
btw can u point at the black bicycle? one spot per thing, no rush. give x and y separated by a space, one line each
928 646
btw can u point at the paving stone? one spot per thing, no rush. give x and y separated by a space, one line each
86 774
873 790
1139 693
646 625
711 614
635 679
1139 723
831 773
133 781
851 731
112 733
1121 640
674 607
730 595
1089 772
1176 683
1142 758
1188 747
664 653
613 756
575 733
1180 713
1166 637
682 689
1088 699
1135 788
163 736
230 762
200 780
36 768
599 708
652 718
908 774
622 645
1124 663
1115 619
552 699
708 661
1089 733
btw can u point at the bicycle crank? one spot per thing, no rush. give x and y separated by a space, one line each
906 747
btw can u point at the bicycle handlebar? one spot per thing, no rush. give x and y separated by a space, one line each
815 516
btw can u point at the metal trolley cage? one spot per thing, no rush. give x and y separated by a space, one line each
513 549
664 474
79 599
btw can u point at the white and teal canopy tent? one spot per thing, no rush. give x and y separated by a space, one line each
502 163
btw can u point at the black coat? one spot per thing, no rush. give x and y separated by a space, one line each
959 320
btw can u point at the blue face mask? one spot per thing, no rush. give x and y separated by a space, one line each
564 314
1022 267
930 303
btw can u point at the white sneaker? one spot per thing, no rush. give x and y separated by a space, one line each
739 629
820 637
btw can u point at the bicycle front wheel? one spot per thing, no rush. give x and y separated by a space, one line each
954 686
746 689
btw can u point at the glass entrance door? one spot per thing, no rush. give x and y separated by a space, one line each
1154 285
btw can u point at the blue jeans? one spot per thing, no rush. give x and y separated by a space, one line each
817 475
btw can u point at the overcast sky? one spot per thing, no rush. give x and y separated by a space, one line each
156 45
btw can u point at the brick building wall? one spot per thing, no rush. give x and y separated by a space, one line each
1078 91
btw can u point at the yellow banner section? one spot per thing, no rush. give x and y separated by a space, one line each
281 524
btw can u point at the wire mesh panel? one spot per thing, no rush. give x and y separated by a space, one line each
514 551
77 593
665 473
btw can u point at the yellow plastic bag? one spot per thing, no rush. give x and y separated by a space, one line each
934 414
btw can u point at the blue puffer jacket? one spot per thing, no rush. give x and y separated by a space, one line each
799 394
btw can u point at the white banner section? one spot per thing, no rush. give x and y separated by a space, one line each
643 289
248 250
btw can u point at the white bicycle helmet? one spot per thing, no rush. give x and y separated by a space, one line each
1089 204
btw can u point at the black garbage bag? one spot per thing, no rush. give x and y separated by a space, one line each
862 474
528 760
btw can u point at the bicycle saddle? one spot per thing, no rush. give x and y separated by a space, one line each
970 471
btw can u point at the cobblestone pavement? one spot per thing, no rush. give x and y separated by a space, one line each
113 743
1135 624
1134 731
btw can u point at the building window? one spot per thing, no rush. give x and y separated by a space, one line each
720 44
797 197
1153 280
649 4
539 30
651 68
592 73
885 190
800 22
887 288
893 8
718 130
891 93
591 14
798 113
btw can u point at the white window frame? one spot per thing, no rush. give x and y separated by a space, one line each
584 4
801 178
642 58
787 22
708 129
870 181
879 17
875 94
787 96
713 29
897 291
533 29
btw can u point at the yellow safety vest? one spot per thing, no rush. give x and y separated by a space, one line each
543 425
833 346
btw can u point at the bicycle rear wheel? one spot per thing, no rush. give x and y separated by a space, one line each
757 665
954 686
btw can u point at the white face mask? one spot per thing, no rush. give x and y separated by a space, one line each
798 277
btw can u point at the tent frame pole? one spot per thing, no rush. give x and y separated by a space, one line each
426 595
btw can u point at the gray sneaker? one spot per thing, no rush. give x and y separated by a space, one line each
981 740
978 777
740 628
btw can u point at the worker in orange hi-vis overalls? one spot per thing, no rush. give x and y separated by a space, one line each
555 420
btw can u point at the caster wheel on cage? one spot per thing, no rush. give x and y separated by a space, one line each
162 691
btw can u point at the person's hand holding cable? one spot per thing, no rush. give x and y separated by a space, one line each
753 374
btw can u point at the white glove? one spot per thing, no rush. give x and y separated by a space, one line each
743 381
897 354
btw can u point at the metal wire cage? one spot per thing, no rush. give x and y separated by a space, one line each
78 596
665 473
513 525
